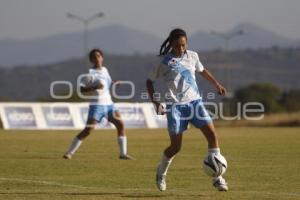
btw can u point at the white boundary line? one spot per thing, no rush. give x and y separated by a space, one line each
45 183
52 183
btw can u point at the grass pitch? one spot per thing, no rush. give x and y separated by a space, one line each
263 163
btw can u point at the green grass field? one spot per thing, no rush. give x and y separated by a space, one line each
264 163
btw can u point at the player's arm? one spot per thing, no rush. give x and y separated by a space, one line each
208 76
91 88
117 82
150 89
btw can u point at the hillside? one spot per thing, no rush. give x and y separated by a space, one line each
233 69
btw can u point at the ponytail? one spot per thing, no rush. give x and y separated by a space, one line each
165 47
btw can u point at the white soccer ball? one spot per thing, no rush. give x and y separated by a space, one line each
89 80
214 165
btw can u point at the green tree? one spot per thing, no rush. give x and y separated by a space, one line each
290 100
267 94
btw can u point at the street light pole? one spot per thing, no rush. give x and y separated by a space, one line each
85 22
227 37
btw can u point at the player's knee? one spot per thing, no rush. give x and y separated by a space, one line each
176 148
86 131
120 125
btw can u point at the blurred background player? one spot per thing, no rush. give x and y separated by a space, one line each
101 106
184 105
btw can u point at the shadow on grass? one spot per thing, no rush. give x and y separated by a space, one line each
63 193
123 195
159 196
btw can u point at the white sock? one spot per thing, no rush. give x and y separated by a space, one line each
217 178
214 151
74 145
122 141
164 164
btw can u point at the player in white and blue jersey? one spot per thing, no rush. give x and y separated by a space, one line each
184 103
101 106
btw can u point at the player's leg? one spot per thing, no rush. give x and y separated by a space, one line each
166 160
95 114
210 134
90 125
175 145
177 116
213 148
176 127
203 121
169 153
115 118
77 141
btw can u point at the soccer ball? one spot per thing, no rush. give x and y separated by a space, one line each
214 165
88 80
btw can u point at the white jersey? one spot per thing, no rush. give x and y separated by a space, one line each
102 96
179 76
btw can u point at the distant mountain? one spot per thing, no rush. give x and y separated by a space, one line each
121 40
114 39
253 37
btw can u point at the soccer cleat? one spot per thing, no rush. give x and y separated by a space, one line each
220 184
160 181
126 157
67 156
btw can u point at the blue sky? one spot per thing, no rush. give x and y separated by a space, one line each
23 19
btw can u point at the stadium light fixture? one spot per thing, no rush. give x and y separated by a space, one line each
85 22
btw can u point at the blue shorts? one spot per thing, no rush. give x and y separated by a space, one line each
179 116
97 112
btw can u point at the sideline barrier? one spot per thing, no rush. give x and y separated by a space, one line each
73 116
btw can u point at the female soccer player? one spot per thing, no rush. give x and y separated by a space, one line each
177 69
101 106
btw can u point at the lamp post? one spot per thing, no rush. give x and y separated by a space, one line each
227 37
85 22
